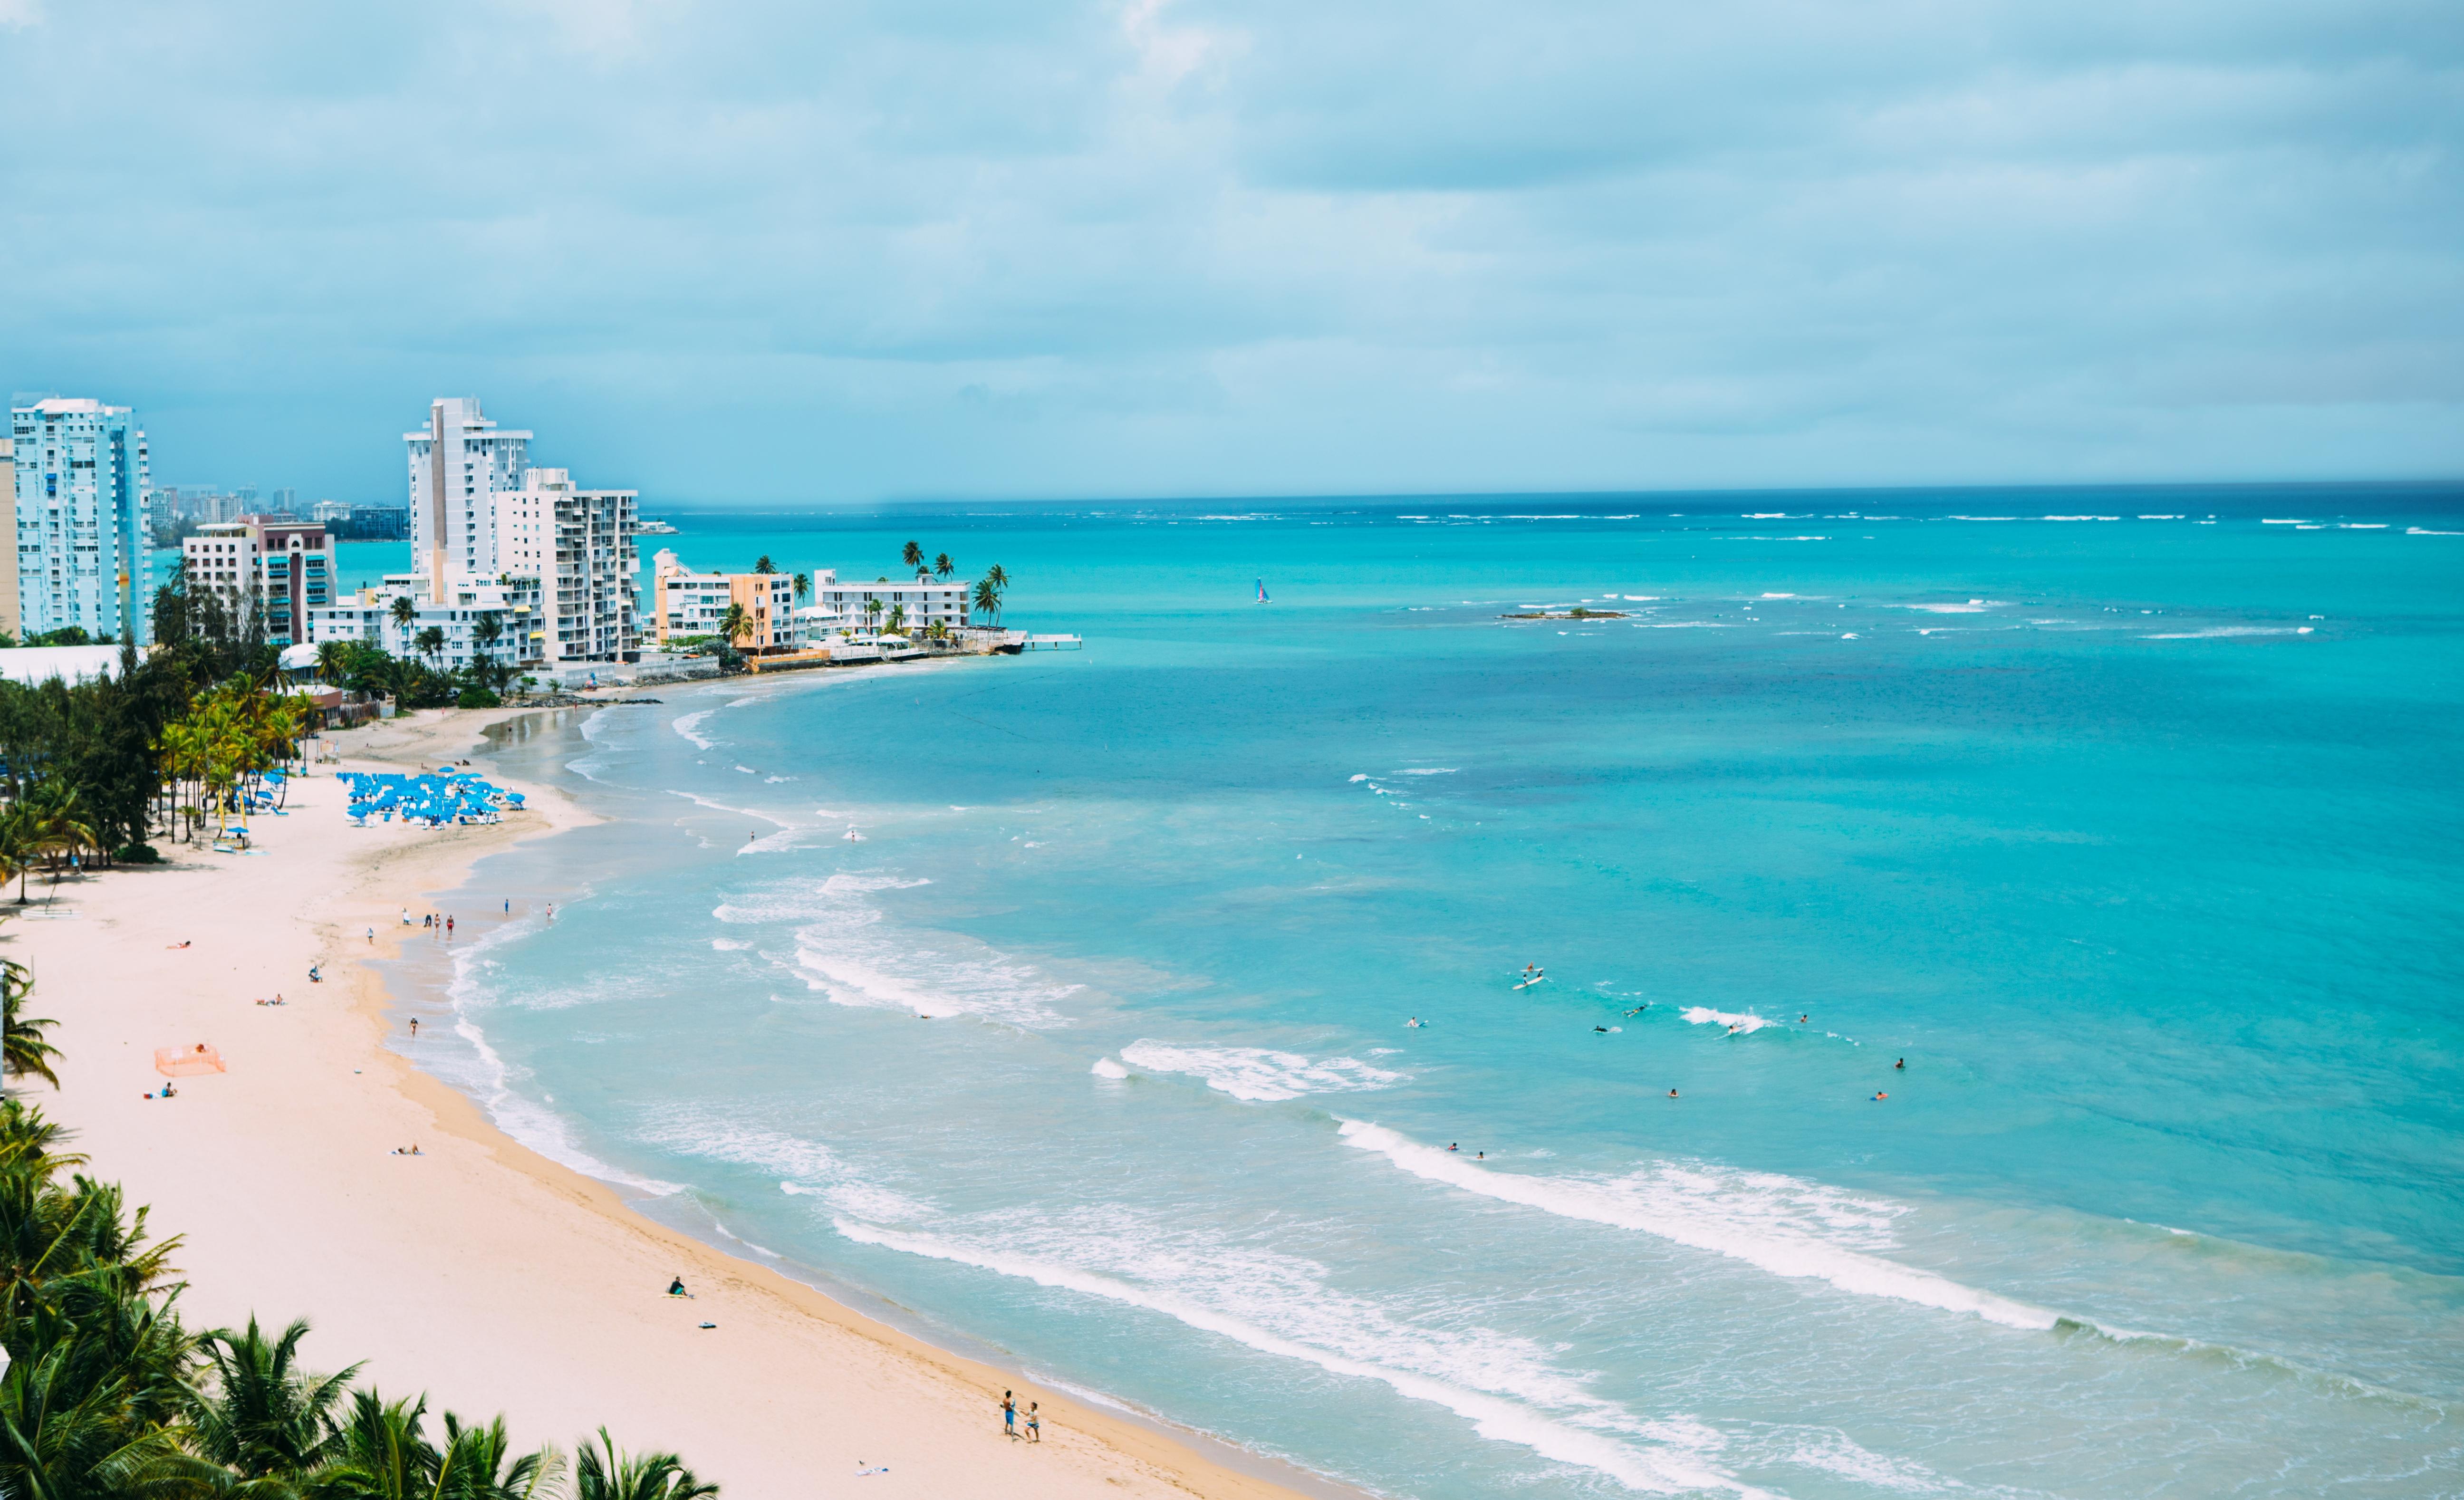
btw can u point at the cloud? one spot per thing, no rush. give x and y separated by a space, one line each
1158 246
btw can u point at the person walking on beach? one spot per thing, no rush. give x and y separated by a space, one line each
1009 1415
1034 1424
448 927
415 1028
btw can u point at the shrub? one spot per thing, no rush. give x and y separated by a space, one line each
138 854
475 696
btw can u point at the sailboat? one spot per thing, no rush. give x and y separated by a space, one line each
1262 592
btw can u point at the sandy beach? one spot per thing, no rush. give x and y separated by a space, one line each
480 1271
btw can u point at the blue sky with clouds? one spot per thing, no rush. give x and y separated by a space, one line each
848 251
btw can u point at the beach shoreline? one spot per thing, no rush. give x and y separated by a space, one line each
491 1276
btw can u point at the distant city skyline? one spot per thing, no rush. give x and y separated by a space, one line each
753 255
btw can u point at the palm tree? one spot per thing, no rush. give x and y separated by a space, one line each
988 598
333 662
872 613
480 1463
897 619
736 623
602 1473
406 614
381 1451
430 644
23 1049
266 1418
486 631
942 566
762 564
803 587
913 555
998 576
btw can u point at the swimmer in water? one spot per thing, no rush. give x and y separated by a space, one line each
1672 1093
1800 1020
1452 1146
1880 1096
1902 1065
1638 1010
1602 1030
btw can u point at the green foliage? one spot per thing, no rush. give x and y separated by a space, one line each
477 696
23 1049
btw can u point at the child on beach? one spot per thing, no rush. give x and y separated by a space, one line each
1034 1424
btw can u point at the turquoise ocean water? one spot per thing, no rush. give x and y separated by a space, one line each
2128 819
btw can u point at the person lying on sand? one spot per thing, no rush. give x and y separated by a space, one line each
176 945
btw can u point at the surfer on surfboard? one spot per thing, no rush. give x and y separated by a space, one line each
1532 974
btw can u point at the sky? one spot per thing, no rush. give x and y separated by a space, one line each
825 253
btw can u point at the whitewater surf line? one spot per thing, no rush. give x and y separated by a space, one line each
1493 1417
1782 1252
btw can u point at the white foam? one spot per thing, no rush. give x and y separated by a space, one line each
533 1122
2296 522
1972 607
715 805
1705 1016
1371 1346
806 1167
686 727
2227 631
845 952
1257 1074
1776 1224
1105 1068
729 945
2424 531
1429 770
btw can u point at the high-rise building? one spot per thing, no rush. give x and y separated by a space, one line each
162 514
8 554
284 500
327 511
579 543
83 558
285 568
459 466
479 512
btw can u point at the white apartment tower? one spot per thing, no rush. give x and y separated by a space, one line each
84 554
587 563
460 468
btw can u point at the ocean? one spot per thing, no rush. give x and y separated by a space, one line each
1999 1029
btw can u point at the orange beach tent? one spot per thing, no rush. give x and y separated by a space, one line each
179 1062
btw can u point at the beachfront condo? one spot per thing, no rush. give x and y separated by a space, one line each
585 558
923 602
685 604
369 614
81 482
284 569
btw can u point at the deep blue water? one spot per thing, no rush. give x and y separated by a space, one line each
2138 838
